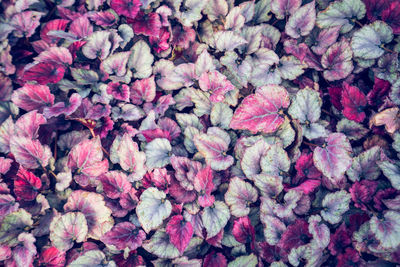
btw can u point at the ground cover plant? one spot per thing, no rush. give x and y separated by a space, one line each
199 133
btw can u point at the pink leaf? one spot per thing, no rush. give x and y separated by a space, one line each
115 184
243 231
30 153
127 8
32 96
124 235
143 91
28 124
203 184
44 73
26 185
119 91
52 257
215 260
262 111
180 232
354 102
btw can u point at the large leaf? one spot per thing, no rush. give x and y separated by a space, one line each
387 229
32 96
262 111
337 61
92 205
161 246
158 153
366 42
215 218
140 60
12 225
333 158
282 8
341 13
30 153
180 232
239 197
124 235
67 229
153 208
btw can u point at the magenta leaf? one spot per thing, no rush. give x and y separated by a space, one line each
43 73
26 185
124 235
337 61
180 232
143 91
354 102
115 184
32 96
243 231
127 8
52 257
262 111
30 153
203 184
28 124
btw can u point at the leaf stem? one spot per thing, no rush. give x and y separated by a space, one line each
310 144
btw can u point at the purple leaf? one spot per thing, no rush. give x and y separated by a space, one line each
337 61
32 96
180 232
302 21
124 235
115 184
30 153
282 8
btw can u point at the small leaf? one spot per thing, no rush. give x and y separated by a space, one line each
335 205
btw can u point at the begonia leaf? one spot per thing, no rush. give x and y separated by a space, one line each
215 218
240 196
335 204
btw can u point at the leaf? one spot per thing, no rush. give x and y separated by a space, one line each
67 229
226 41
26 185
28 124
98 45
180 232
86 159
32 96
92 205
203 184
341 13
386 229
276 161
352 129
158 153
333 158
389 118
115 184
215 218
262 111
214 260
240 196
335 205
213 148
251 160
221 115
30 153
319 231
153 208
140 60
91 258
160 245
337 61
392 172
124 235
84 77
243 231
116 63
366 42
282 8
302 21
354 102
269 185
365 165
215 9
143 91
7 205
244 261
12 225
325 39
129 157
